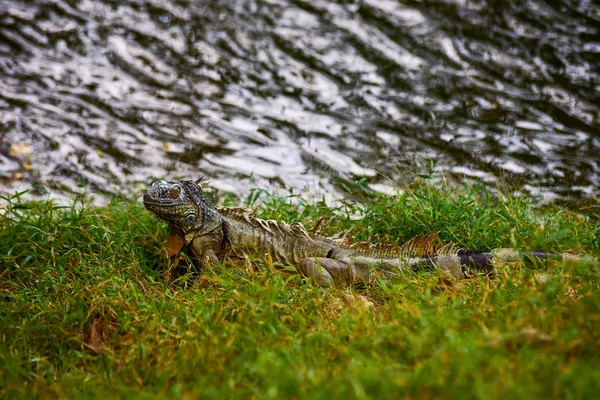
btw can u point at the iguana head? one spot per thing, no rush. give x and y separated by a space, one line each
182 204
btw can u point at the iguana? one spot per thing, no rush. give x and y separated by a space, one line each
212 232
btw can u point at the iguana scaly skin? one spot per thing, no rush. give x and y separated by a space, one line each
212 233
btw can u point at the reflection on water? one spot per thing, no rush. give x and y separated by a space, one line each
109 94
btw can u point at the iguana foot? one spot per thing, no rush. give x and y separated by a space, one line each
327 271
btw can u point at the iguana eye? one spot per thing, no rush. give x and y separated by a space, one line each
174 191
190 218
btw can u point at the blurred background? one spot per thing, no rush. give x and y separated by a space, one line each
106 96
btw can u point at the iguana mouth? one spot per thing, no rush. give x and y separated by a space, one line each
151 201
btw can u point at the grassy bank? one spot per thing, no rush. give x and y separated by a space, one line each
87 308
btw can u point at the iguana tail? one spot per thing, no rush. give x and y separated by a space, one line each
463 261
360 269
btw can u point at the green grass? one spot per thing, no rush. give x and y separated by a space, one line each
87 309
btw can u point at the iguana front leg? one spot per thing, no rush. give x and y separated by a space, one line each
200 247
328 272
205 249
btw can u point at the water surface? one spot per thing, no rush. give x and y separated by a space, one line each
106 96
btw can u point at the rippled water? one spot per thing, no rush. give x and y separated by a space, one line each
109 95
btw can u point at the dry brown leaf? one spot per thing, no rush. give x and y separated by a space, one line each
571 293
20 150
357 300
101 331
